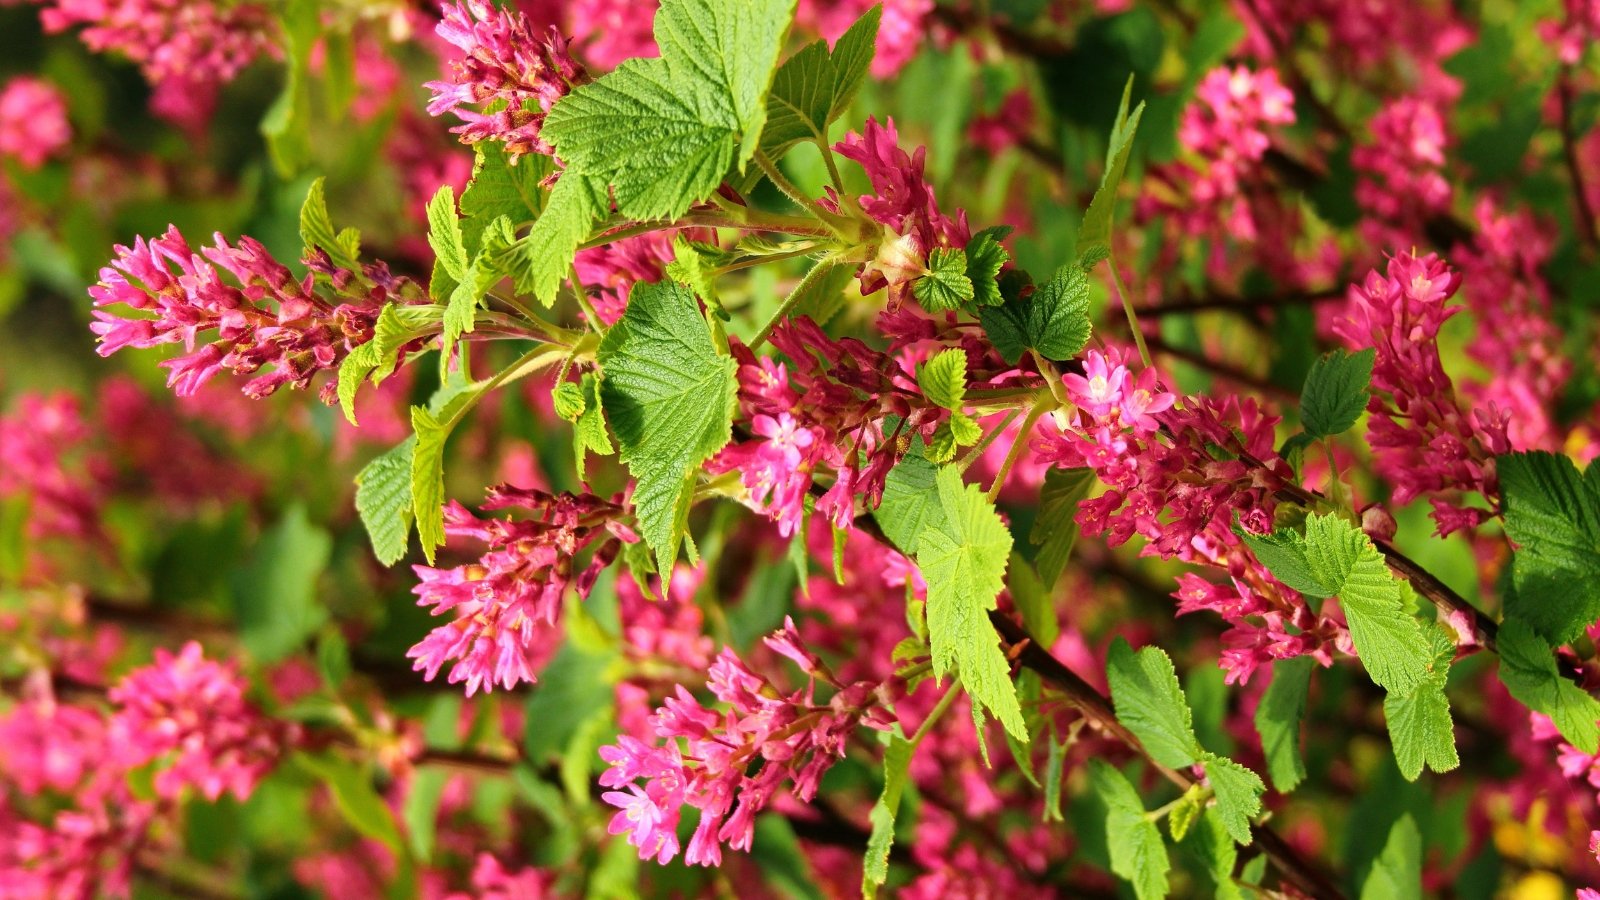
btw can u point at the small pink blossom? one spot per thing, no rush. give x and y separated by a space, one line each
33 121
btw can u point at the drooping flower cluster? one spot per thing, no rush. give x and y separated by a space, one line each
504 62
730 765
185 48
39 444
263 317
507 603
33 121
1400 170
1166 485
190 714
1424 443
904 204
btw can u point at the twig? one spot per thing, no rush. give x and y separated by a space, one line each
1569 151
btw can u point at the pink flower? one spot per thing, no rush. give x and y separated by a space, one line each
1400 171
33 121
42 445
503 61
610 31
506 604
191 713
491 880
610 271
901 28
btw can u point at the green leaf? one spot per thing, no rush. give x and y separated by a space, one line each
427 477
1334 558
1553 514
541 260
589 433
383 500
946 285
821 293
286 124
1053 771
1054 321
814 87
910 502
1238 791
1137 852
358 801
316 229
985 258
1336 392
665 132
1183 816
1055 529
275 594
1278 719
444 235
896 763
1397 872
963 560
1148 699
1096 225
421 809
1036 604
377 359
499 188
943 378
670 399
1211 844
1419 720
1528 670
692 264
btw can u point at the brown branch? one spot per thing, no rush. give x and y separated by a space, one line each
1221 369
1226 303
1569 152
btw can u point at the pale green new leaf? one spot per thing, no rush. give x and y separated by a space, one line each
1138 853
896 763
910 502
1238 791
376 360
1336 392
1149 700
1397 872
383 500
541 260
1419 720
946 285
356 798
427 478
814 87
274 595
943 378
1553 514
316 229
1278 719
985 259
963 560
589 433
669 396
1211 844
1528 670
1095 229
444 236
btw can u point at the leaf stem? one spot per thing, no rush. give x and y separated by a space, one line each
971 456
817 271
1127 307
939 708
793 192
1040 407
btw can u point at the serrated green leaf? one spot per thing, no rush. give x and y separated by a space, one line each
692 264
1419 720
985 258
1335 392
1055 529
1397 872
943 378
963 560
316 229
1238 791
946 285
1096 225
1553 514
444 235
1148 699
568 400
1278 719
814 87
1034 602
541 260
499 188
589 433
670 398
1183 816
1528 670
910 502
896 764
1211 844
665 132
383 500
1138 853
376 359
1054 321
427 478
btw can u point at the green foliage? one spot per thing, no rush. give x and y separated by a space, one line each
376 359
499 189
910 502
669 396
1238 791
814 87
1054 321
1055 530
963 554
1397 873
316 230
1336 392
589 433
427 477
985 259
1138 853
1150 702
1211 844
946 286
875 867
1278 719
1553 514
542 258
943 378
448 243
663 133
275 594
1095 230
358 801
383 500
1528 670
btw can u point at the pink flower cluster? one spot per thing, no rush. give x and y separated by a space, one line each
507 603
608 272
33 121
1424 443
902 27
1400 180
904 204
190 714
39 441
185 48
1166 485
706 759
1575 31
1227 130
303 335
503 61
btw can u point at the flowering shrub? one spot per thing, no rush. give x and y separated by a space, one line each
799 448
